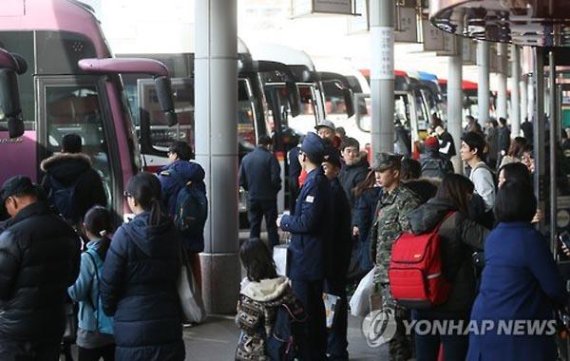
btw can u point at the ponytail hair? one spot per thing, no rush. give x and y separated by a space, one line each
145 189
99 222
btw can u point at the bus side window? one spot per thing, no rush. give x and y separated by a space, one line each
76 109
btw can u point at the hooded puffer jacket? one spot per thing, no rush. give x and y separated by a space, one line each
138 288
39 259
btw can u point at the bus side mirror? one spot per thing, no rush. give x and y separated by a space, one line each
165 98
348 101
10 103
293 97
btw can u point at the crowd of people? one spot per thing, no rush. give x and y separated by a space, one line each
499 266
118 299
346 215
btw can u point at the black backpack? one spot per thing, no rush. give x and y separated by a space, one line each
281 344
63 198
191 210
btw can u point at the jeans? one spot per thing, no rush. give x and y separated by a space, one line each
257 209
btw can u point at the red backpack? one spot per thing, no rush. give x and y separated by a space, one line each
415 272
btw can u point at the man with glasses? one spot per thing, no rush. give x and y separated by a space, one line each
39 260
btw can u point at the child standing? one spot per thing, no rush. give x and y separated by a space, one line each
95 332
267 308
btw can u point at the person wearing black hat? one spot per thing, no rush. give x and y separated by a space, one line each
433 164
39 260
390 221
310 229
337 257
260 176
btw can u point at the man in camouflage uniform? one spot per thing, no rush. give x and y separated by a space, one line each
390 221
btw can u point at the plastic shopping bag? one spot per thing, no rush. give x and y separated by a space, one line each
280 259
360 301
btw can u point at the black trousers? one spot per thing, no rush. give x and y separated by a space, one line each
312 339
257 210
107 353
44 350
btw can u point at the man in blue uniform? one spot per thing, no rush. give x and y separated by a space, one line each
309 227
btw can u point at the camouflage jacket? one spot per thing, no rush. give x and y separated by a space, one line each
390 219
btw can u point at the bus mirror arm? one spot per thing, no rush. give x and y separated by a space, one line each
164 93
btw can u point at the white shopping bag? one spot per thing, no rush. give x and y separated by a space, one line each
359 303
280 259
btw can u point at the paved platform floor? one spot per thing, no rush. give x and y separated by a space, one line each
216 340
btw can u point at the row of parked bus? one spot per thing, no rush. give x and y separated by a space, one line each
129 108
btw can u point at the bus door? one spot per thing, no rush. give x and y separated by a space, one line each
404 113
71 104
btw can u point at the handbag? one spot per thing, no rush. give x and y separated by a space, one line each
189 292
359 303
280 259
332 307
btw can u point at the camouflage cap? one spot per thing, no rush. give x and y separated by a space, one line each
385 161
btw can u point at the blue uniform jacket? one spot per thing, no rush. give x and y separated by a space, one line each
172 178
260 175
520 281
138 288
309 227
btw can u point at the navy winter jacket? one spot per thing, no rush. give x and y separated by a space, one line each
260 174
338 248
172 178
138 288
39 259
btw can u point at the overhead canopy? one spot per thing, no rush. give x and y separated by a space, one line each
523 22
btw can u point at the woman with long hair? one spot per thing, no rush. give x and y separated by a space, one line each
366 195
138 285
515 153
520 285
460 236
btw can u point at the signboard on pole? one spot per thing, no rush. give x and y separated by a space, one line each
449 45
360 22
433 37
383 66
469 52
406 25
308 7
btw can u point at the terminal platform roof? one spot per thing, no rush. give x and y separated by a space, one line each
523 22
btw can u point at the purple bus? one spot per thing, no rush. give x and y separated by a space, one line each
72 85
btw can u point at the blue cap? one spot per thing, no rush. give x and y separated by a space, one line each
313 145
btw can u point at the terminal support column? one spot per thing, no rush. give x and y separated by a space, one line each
382 75
483 87
515 103
455 102
502 77
217 148
553 145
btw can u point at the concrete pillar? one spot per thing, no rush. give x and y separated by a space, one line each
502 81
523 89
515 91
382 75
530 96
217 148
455 102
483 88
